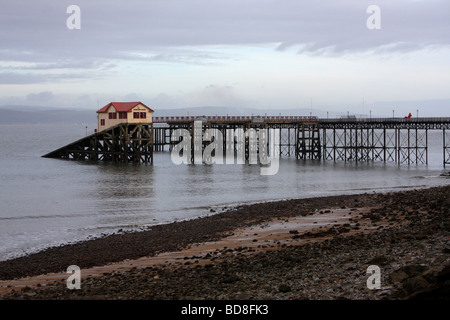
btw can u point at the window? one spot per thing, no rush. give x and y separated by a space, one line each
139 115
122 115
102 122
112 115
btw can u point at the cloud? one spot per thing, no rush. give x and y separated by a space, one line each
110 28
19 78
76 65
184 55
41 97
211 95
167 50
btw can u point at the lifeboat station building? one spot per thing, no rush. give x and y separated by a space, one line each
116 113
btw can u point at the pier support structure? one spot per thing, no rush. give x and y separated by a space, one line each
408 146
403 141
413 146
121 143
446 146
308 141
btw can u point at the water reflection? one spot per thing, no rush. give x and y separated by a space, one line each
123 194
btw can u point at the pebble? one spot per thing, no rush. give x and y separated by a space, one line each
332 269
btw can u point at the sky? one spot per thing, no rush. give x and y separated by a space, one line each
328 55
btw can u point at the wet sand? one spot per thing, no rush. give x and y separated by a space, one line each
315 248
254 238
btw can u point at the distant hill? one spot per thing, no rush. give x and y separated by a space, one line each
235 111
46 116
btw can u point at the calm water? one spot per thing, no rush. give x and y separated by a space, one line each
47 202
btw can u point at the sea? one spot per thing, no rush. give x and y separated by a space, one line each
50 202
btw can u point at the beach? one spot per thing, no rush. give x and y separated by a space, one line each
317 249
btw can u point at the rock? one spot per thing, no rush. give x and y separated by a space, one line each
230 279
439 289
379 260
398 276
284 288
413 269
31 294
243 296
421 236
415 284
444 275
439 292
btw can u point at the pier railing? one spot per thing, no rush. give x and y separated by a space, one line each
286 119
236 119
387 120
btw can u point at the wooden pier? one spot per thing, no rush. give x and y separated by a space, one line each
399 140
121 143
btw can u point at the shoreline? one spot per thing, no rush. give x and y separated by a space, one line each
264 237
213 210
219 223
390 213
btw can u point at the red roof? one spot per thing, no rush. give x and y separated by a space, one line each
122 106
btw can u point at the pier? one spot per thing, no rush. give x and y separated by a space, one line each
399 140
121 143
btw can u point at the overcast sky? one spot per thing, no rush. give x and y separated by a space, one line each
246 53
